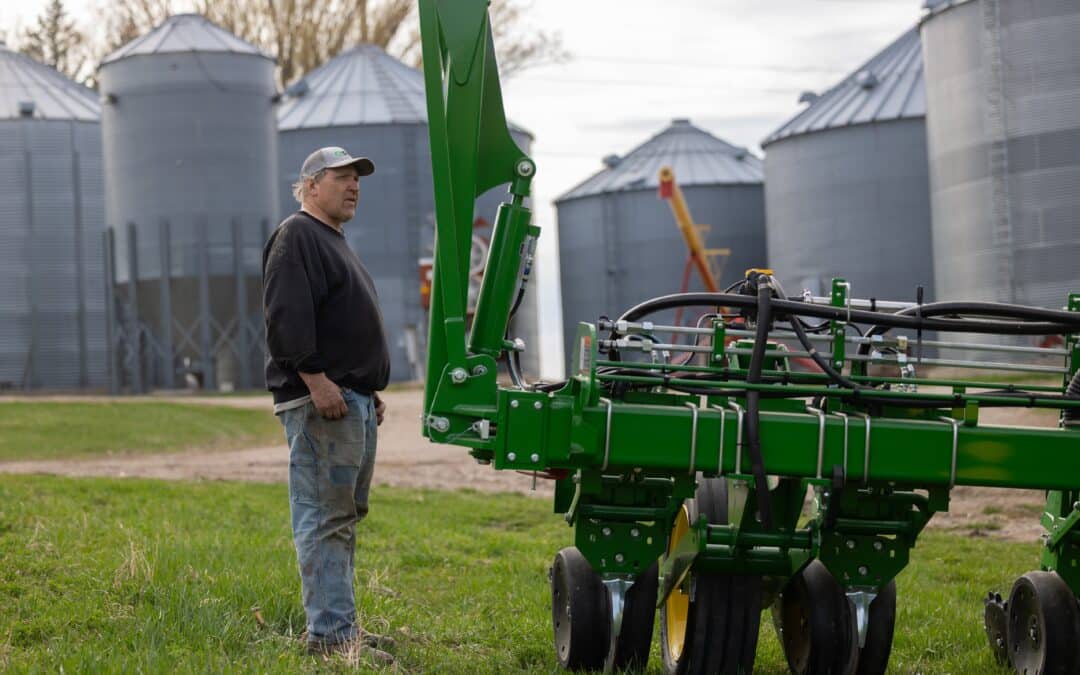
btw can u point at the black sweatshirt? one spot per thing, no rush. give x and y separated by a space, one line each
321 311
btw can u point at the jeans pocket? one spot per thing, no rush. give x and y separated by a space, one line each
303 466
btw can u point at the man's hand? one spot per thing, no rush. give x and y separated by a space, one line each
380 409
325 395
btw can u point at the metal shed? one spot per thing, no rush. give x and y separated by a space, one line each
191 154
52 310
846 182
373 104
1003 126
618 243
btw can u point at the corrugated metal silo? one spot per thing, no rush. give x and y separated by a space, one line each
52 309
191 153
373 104
618 242
846 186
1003 126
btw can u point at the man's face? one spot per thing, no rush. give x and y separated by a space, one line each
337 193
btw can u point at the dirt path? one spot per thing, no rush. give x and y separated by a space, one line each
405 459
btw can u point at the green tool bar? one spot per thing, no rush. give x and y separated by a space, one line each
655 437
820 377
792 391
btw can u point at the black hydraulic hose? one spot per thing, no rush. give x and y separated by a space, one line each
1032 321
753 398
826 367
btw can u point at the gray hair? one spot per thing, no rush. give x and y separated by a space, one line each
299 188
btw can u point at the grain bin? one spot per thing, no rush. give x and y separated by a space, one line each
1003 126
191 157
846 186
618 242
52 310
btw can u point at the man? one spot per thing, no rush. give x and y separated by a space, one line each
328 359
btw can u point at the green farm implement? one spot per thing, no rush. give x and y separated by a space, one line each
684 467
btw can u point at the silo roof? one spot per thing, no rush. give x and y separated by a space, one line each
362 85
696 156
887 87
31 89
184 33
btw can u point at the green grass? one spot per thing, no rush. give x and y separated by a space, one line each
51 429
146 576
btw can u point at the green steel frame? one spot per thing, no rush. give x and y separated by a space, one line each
878 472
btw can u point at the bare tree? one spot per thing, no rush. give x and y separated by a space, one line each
55 41
304 34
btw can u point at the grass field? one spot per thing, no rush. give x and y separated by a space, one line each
126 575
51 430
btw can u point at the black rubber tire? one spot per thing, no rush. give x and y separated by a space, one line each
874 655
639 615
818 633
579 612
1044 626
724 611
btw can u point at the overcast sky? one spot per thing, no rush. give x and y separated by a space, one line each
734 67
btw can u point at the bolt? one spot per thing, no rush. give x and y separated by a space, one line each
534 457
538 405
511 456
878 546
525 168
439 423
850 543
479 370
606 531
863 571
514 403
619 558
1076 506
635 533
458 375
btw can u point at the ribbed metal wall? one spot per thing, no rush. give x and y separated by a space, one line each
618 242
373 105
1003 125
52 316
846 184
190 148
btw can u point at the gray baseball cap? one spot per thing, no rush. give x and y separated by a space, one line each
335 158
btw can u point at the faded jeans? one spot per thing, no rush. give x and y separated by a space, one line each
330 467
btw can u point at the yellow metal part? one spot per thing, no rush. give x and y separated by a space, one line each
705 259
677 605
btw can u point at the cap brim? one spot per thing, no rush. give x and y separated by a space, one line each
364 165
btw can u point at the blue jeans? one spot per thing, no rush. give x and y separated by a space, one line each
330 467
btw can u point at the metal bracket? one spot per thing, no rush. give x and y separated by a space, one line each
866 446
720 456
607 433
846 419
860 602
693 435
738 435
820 437
955 441
617 589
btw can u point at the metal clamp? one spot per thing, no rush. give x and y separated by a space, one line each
866 445
820 436
846 419
693 435
738 435
720 456
955 442
607 433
